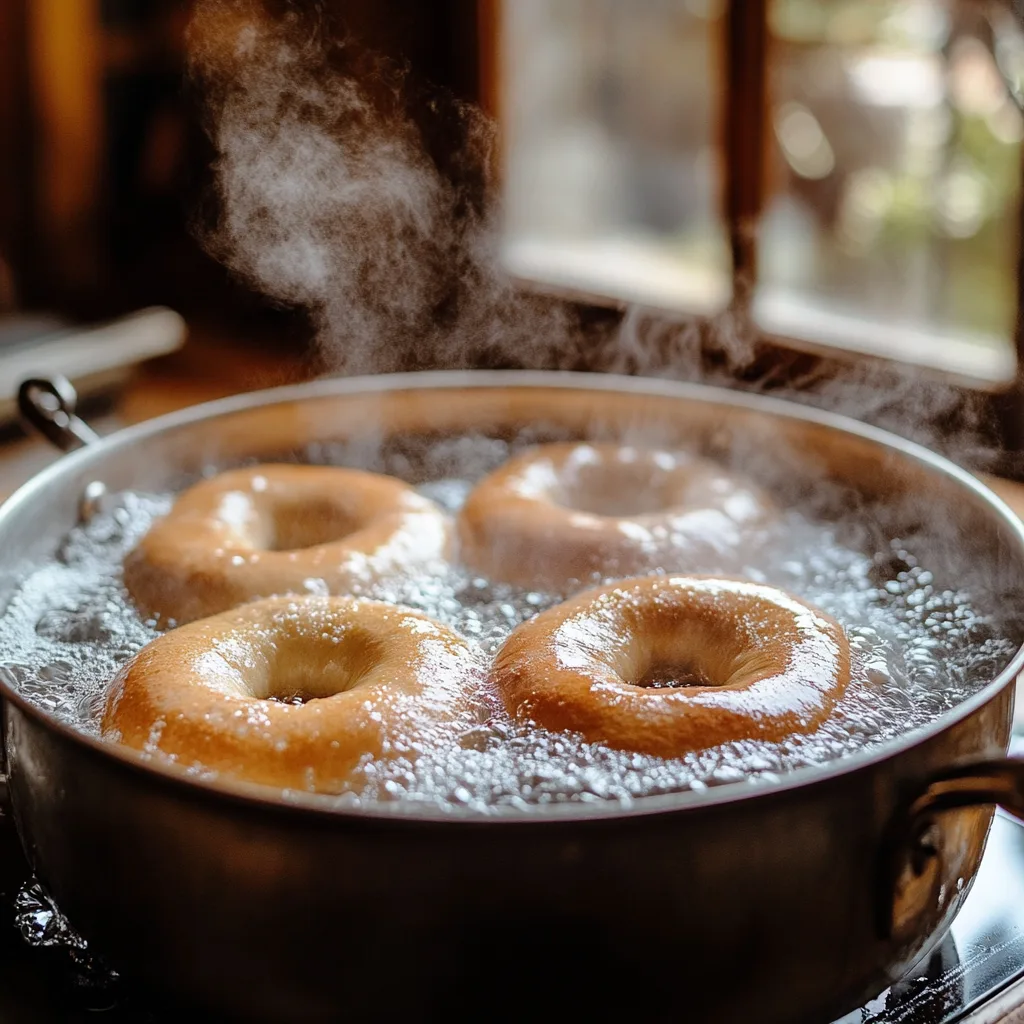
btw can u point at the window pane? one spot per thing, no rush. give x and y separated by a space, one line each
609 115
894 173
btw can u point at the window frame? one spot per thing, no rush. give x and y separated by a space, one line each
786 358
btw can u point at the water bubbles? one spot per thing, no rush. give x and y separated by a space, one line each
74 626
13 675
876 673
91 501
70 626
889 566
480 738
56 672
449 494
919 646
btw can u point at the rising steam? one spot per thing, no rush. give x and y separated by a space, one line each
328 200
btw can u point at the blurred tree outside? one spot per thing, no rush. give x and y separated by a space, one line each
913 109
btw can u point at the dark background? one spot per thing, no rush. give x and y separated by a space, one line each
126 237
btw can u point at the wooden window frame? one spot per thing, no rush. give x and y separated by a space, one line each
786 361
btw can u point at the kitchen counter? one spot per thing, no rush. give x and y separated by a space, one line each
208 367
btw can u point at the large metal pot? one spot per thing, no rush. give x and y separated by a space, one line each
790 901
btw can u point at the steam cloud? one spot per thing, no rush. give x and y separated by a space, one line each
328 200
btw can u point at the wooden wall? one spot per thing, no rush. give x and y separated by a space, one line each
101 154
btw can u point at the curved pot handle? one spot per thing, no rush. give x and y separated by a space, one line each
999 781
47 405
910 856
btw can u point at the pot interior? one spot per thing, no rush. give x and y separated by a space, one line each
905 510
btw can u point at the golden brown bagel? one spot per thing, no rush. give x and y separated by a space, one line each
753 663
376 681
281 529
562 514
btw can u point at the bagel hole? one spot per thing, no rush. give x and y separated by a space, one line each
302 672
618 490
295 699
672 676
293 527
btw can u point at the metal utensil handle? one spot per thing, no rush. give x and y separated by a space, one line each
911 854
47 405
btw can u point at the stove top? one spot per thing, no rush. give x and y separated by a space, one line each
975 977
971 978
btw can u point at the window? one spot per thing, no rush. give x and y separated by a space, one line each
612 169
848 169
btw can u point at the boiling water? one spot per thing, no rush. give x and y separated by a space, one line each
919 647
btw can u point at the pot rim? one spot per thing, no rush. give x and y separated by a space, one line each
325 806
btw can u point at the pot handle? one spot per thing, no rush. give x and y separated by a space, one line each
910 857
47 405
999 781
